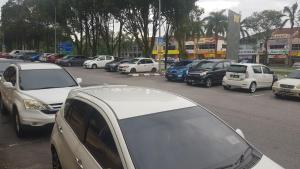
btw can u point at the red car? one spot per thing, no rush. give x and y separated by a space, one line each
52 58
4 55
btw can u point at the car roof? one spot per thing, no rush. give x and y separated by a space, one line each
36 66
128 102
248 64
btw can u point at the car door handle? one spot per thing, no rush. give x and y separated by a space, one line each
60 129
79 163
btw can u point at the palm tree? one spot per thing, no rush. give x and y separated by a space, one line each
216 25
291 14
244 29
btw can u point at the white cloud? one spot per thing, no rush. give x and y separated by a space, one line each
216 5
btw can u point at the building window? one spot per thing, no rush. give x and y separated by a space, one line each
295 46
224 46
190 47
207 46
277 46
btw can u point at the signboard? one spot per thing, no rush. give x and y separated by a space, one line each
66 47
162 52
295 53
206 40
278 52
277 56
247 52
233 35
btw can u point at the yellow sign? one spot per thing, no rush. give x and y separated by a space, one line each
170 52
295 53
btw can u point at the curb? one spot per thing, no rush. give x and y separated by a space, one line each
144 74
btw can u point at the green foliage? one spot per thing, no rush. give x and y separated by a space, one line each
291 14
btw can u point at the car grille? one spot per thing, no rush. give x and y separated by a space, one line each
194 75
49 111
53 108
287 86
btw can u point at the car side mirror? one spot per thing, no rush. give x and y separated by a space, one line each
240 132
79 80
8 85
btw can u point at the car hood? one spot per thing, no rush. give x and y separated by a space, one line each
289 81
49 96
198 71
266 163
179 68
126 64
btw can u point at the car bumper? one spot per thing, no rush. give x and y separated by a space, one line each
36 117
171 76
87 66
196 79
286 92
124 70
244 84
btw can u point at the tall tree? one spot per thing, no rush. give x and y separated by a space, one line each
263 23
244 29
291 14
216 25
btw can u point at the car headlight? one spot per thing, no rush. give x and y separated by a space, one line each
276 84
203 74
34 105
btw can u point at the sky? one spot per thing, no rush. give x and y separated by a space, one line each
245 7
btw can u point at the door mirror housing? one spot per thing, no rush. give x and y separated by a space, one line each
8 85
79 80
240 132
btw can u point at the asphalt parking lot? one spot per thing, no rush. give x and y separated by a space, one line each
271 124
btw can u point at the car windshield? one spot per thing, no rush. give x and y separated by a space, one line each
179 138
179 64
4 66
237 69
45 79
204 65
295 74
134 61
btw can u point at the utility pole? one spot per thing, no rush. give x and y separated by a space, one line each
55 33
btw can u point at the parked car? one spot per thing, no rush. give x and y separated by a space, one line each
248 76
289 86
113 66
4 55
208 72
64 58
139 65
5 63
33 93
72 61
43 57
36 57
178 70
54 57
139 128
296 65
19 53
29 56
98 62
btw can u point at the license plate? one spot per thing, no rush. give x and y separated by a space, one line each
285 90
234 76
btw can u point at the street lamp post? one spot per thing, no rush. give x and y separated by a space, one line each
55 33
159 35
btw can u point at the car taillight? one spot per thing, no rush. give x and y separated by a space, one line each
247 75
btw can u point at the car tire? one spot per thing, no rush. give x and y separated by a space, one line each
55 160
226 87
19 128
153 70
253 87
2 107
133 70
208 83
94 66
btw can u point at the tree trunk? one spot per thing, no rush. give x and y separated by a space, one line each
167 45
216 44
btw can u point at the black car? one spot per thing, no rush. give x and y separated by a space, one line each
72 61
208 72
113 66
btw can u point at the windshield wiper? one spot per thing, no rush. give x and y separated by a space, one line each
239 161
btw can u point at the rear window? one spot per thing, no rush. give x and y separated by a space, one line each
237 69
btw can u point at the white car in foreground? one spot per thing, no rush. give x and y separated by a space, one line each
139 65
121 127
98 62
33 93
248 76
289 86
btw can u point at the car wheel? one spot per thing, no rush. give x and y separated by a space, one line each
94 66
253 87
226 87
2 107
208 83
55 161
19 128
153 70
133 70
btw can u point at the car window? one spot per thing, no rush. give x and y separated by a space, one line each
10 75
100 142
257 69
219 66
266 70
108 58
77 117
148 61
143 61
227 64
